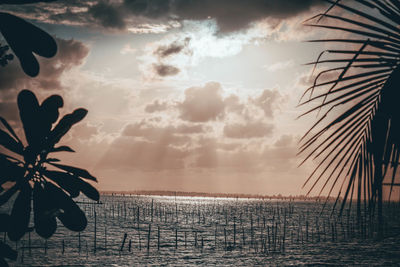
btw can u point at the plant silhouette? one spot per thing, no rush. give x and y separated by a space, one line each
25 39
362 144
52 190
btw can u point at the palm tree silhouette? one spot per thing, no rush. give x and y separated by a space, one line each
359 147
51 190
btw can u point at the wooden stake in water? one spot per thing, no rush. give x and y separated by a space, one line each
152 203
284 232
215 237
138 217
251 231
105 238
185 239
148 239
234 232
307 229
123 242
140 242
243 238
225 238
79 242
95 232
30 244
158 237
176 238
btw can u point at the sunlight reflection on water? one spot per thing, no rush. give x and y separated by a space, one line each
192 231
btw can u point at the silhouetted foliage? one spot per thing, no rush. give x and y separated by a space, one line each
25 39
52 190
361 145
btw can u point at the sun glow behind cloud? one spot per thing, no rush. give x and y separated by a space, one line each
199 41
183 106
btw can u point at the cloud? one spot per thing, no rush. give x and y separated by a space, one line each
230 15
165 70
150 147
203 130
71 54
164 135
208 103
128 153
9 110
162 66
156 106
267 101
284 140
195 43
235 15
233 104
190 129
108 15
173 48
255 129
250 158
84 131
281 156
283 65
202 104
128 49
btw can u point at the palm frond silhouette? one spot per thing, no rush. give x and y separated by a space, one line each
25 39
359 147
52 190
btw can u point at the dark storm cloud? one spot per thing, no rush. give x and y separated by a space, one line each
165 70
171 49
149 8
230 15
234 15
110 16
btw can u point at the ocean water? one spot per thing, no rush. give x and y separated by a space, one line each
188 231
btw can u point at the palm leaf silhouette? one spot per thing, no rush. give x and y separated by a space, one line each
358 145
53 190
25 39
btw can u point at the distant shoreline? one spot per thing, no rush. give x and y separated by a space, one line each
213 195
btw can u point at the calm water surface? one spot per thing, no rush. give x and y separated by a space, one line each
188 231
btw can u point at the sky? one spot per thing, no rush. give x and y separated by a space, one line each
196 96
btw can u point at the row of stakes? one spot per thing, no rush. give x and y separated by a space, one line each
271 238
